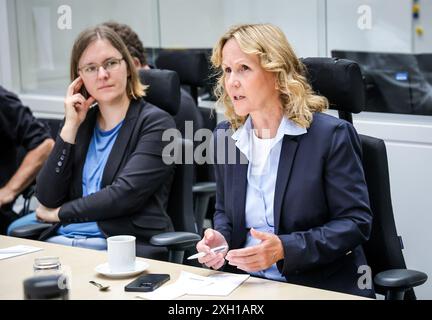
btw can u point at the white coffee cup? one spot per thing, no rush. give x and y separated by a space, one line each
121 253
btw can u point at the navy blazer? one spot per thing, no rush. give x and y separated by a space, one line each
321 205
135 183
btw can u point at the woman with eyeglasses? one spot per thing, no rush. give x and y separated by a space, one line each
105 175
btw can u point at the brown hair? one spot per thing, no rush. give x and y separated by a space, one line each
269 43
130 39
134 88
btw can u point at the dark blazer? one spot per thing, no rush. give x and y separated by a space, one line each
135 183
321 204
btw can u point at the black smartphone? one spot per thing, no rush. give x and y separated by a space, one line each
84 92
148 282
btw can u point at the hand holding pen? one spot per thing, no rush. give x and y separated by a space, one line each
203 254
212 258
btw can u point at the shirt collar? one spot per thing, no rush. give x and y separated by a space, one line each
243 134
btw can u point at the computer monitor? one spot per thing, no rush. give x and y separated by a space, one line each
395 82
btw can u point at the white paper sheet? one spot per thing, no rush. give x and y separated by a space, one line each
220 284
177 289
14 251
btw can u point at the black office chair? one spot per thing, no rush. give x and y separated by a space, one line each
180 209
341 82
191 66
194 72
53 125
164 91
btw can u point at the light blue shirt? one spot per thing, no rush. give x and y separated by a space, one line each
96 159
263 156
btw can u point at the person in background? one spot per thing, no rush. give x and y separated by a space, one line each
19 130
188 110
106 175
296 209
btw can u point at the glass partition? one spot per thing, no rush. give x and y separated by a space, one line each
46 29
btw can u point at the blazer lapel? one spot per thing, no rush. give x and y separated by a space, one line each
286 159
83 138
239 198
118 150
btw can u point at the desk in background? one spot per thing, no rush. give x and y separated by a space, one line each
81 263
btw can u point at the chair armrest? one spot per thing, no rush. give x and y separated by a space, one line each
29 192
202 192
204 187
400 279
175 240
31 231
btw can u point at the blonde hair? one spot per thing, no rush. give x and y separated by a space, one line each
134 88
269 43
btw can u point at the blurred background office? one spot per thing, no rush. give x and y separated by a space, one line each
36 37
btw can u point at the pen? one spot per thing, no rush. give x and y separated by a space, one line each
202 254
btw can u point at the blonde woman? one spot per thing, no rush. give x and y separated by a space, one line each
297 210
105 175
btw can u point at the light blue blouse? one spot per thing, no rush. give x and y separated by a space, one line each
96 159
263 157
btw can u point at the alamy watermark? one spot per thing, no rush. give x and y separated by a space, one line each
365 280
201 149
364 22
64 21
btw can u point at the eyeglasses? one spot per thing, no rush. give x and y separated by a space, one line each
109 65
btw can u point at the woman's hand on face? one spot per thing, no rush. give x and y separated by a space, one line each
212 239
76 106
259 257
45 214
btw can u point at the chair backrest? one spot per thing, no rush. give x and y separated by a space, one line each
384 248
164 92
180 203
194 71
341 82
191 66
185 106
53 125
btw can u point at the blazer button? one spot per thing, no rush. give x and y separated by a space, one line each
57 170
64 151
62 158
59 163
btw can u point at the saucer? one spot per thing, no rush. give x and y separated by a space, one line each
104 269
